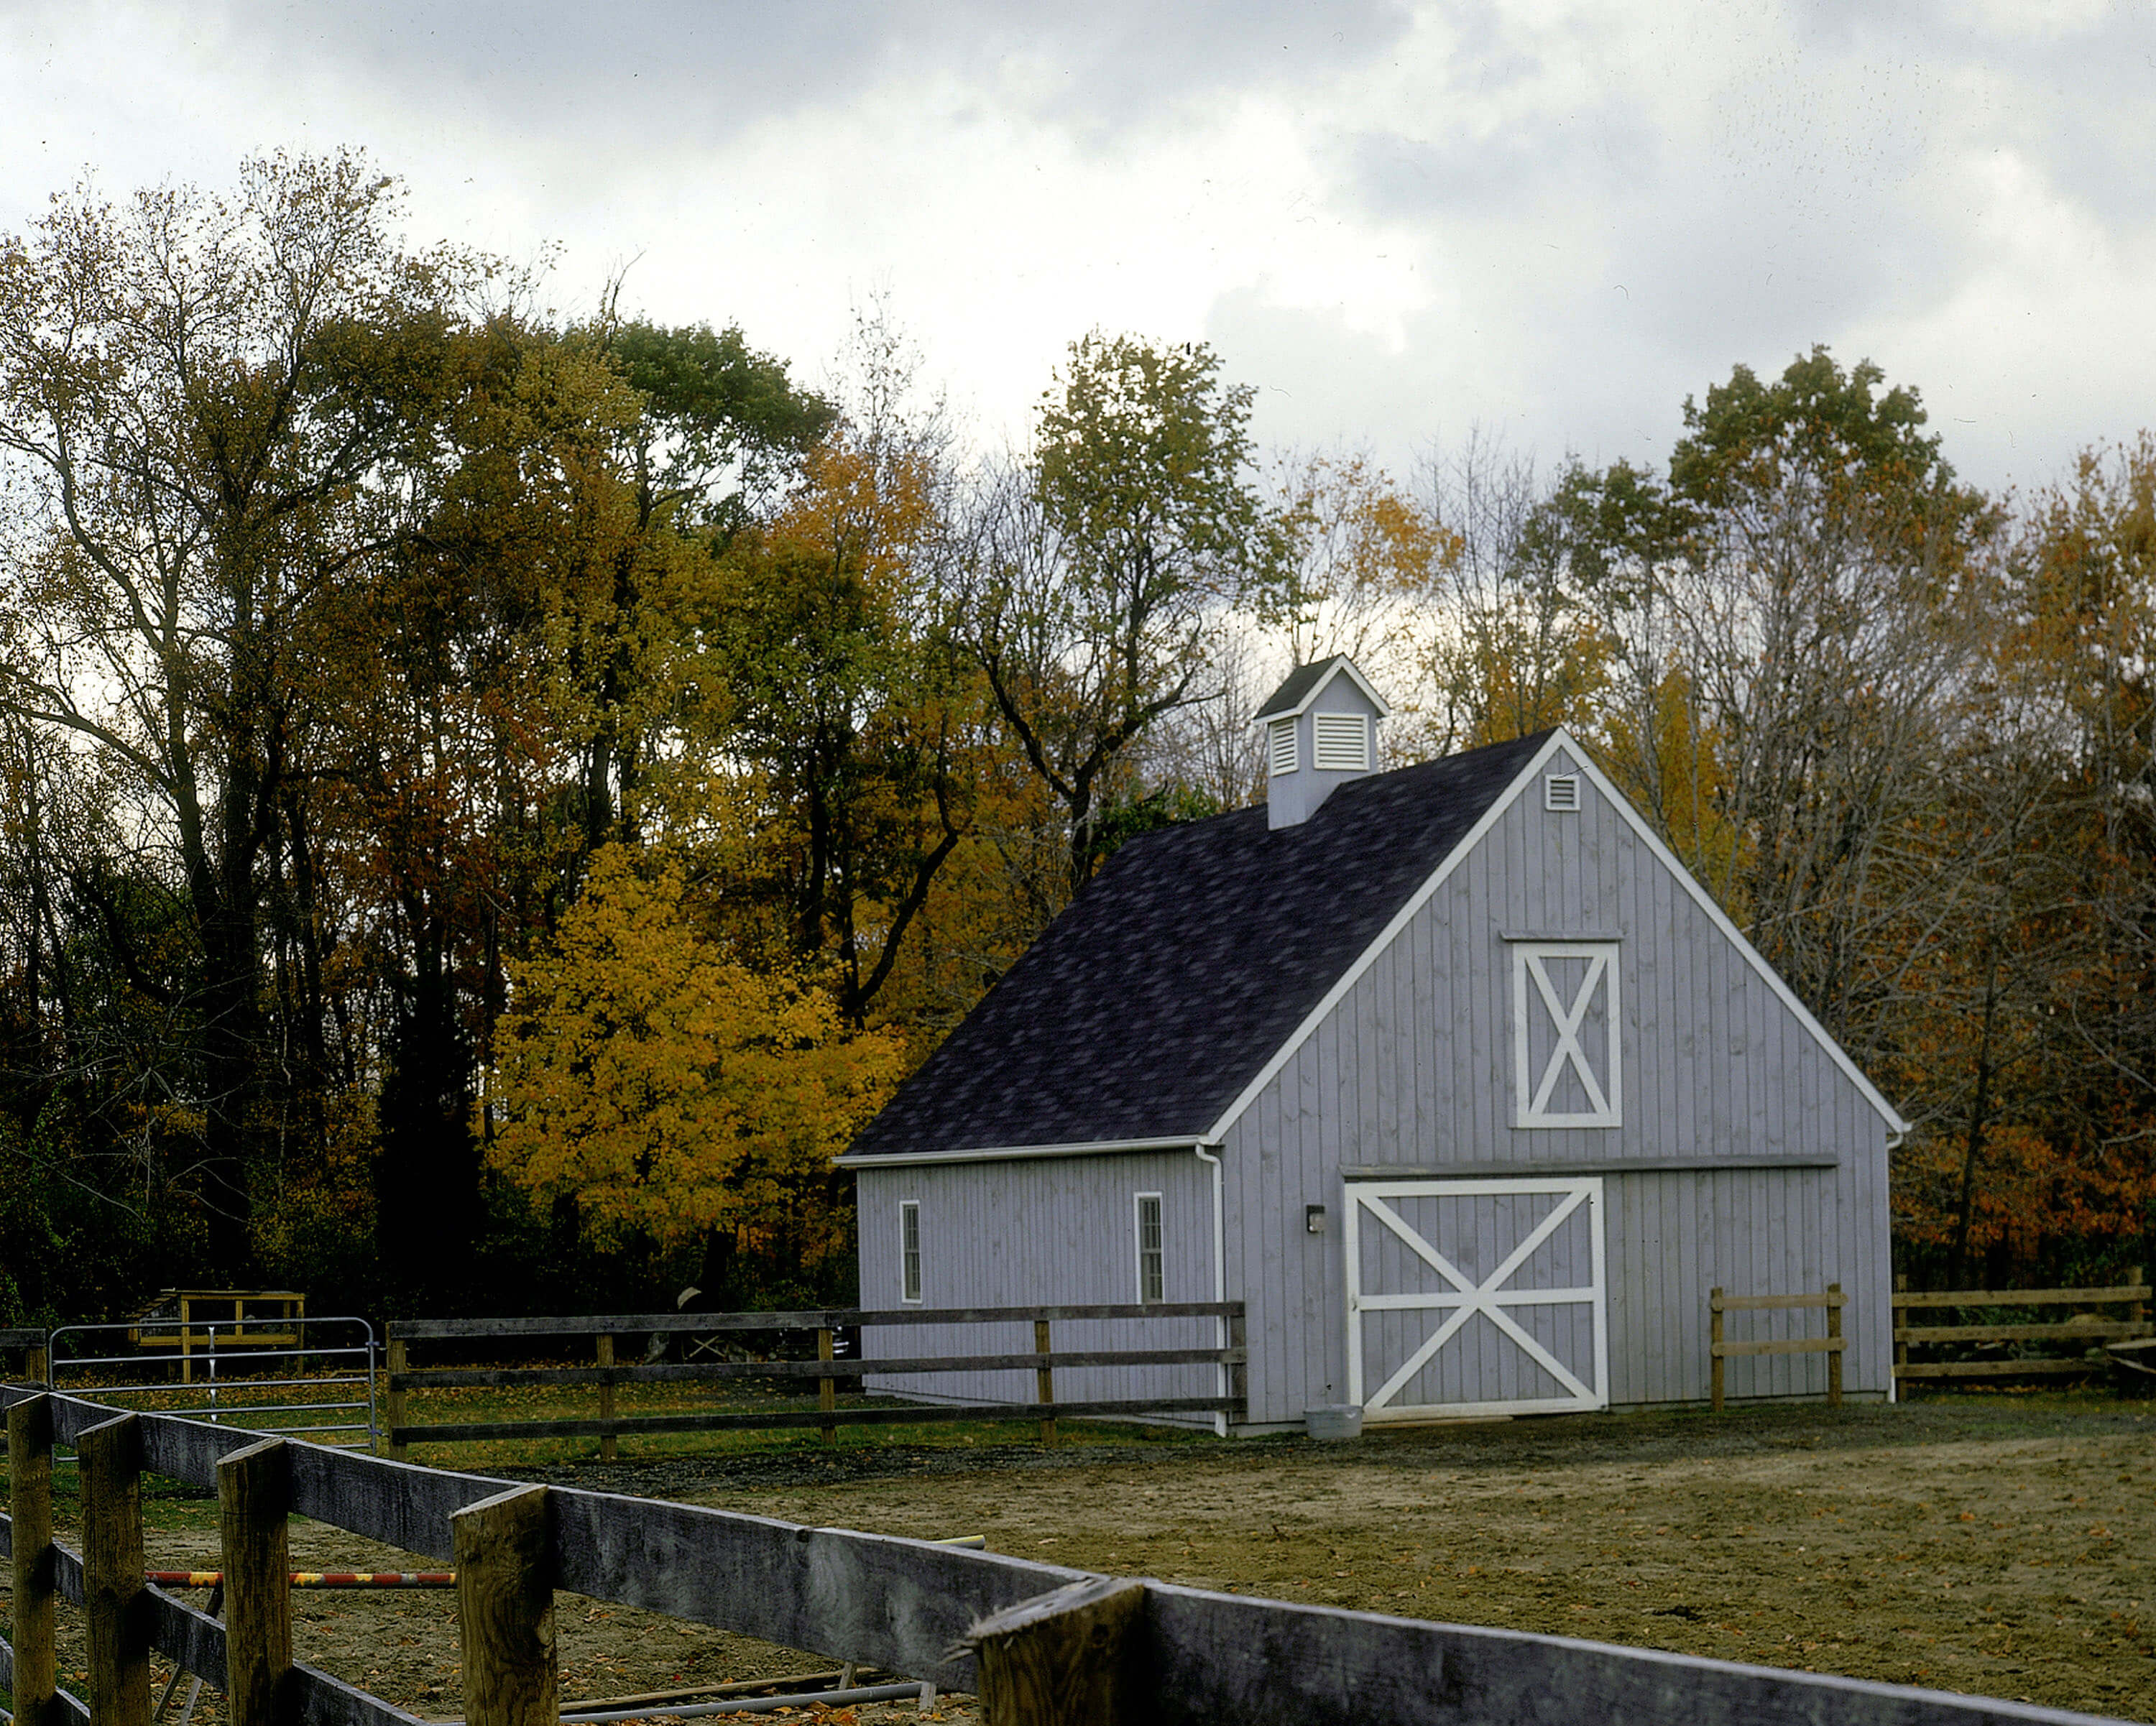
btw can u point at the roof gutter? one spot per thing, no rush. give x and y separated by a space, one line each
1014 1153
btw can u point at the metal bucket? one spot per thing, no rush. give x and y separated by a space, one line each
1333 1419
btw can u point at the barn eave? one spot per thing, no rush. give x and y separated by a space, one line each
1015 1153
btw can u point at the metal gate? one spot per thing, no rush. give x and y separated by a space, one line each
304 1378
1476 1298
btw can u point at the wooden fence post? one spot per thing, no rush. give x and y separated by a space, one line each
36 1364
2137 1278
505 1609
1044 1382
254 1499
30 1506
1834 1335
1067 1658
605 1401
1900 1334
1239 1374
827 1389
397 1354
1714 1343
113 1593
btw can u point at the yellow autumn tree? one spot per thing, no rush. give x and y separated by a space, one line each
667 1090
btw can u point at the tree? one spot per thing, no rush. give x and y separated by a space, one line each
667 1091
718 431
208 409
1833 588
1363 564
1522 638
1101 565
2057 1103
854 702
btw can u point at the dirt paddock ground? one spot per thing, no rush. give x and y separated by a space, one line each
2002 1544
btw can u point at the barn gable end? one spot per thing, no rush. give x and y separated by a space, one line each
1744 1149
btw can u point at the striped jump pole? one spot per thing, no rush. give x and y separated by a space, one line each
315 1579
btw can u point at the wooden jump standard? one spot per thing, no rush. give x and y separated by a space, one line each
1039 1643
1719 1348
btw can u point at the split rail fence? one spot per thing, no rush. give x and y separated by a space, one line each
2077 1331
1038 1643
824 1373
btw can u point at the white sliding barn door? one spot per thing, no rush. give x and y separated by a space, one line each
1476 1297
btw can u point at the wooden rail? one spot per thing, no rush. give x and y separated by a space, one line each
1038 1642
1833 1344
826 1373
808 1319
2077 1331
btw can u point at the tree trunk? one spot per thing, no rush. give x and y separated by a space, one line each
1979 1109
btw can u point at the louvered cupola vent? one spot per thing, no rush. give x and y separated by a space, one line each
1321 731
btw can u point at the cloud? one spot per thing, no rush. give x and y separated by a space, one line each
1559 217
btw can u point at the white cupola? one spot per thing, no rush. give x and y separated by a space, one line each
1321 730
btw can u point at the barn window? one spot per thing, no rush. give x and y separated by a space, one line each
908 1250
1561 791
1567 1059
1280 739
1152 1272
1343 742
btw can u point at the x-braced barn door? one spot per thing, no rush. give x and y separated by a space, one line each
1476 1297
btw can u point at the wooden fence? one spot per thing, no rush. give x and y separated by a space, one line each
1039 1643
2077 1331
824 1373
1833 1344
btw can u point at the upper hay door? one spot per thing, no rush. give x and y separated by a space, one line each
1567 1064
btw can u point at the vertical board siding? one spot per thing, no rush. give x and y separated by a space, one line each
1413 1069
1057 1231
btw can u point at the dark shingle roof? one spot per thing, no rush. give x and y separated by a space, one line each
1299 682
1146 1008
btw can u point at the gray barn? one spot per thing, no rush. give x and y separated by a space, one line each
1453 1074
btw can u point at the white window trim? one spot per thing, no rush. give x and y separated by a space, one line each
1137 1243
910 1207
1568 803
1531 982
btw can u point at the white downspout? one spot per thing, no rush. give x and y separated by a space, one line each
1894 1143
1220 1274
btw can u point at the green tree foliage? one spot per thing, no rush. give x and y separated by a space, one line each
1107 566
1521 636
718 431
854 702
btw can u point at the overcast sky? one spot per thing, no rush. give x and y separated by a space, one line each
1551 221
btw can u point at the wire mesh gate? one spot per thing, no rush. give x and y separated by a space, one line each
300 1378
